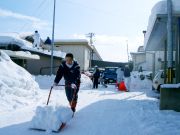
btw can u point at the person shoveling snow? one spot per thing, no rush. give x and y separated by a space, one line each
70 70
51 118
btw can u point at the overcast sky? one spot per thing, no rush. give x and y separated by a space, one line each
114 22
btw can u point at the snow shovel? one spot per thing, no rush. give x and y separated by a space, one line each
43 117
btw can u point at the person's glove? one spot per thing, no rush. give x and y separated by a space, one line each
73 86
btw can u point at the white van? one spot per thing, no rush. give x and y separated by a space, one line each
159 80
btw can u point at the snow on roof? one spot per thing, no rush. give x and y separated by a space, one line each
170 85
160 9
58 54
14 38
21 54
71 40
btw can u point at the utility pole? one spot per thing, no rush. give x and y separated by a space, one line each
90 36
52 44
127 50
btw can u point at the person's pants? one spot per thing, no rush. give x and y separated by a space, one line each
70 93
72 97
95 83
127 81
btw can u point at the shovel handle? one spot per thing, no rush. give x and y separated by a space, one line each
49 95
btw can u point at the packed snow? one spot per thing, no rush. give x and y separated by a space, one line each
17 88
50 118
99 112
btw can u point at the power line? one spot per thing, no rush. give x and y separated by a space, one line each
85 6
41 4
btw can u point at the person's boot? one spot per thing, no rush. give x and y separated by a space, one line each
73 106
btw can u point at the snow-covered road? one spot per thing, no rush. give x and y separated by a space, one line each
102 112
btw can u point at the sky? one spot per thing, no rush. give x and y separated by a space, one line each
115 23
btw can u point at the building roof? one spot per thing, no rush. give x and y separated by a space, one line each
71 41
77 42
157 26
137 53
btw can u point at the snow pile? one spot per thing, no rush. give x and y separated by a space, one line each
170 85
50 118
138 84
86 82
45 81
17 88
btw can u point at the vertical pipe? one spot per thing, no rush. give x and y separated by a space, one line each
178 53
52 44
154 63
169 41
165 61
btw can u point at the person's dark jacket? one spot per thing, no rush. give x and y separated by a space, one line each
127 72
48 41
96 74
71 75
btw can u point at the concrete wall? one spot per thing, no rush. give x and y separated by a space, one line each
34 66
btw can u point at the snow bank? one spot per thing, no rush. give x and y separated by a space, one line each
138 84
45 81
86 82
17 88
50 118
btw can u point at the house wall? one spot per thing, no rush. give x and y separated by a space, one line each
80 53
42 66
138 59
86 58
149 61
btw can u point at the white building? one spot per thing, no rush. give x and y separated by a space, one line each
81 50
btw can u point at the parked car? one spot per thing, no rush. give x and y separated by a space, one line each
159 79
110 75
